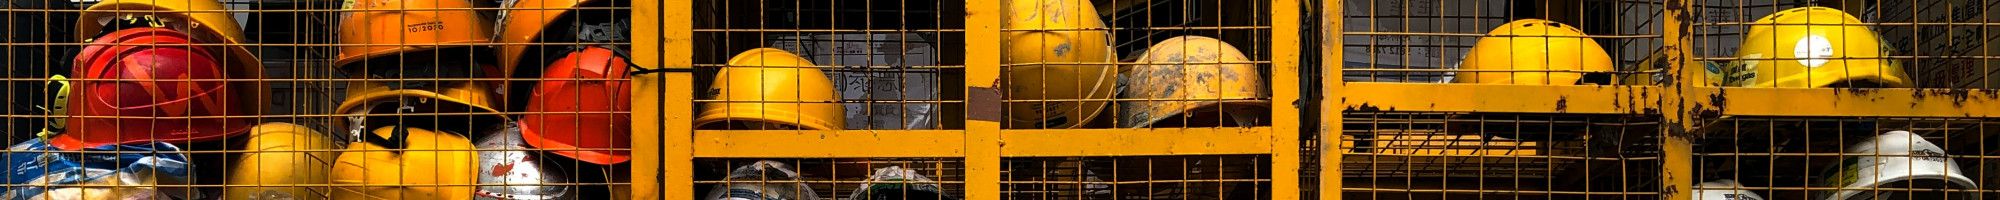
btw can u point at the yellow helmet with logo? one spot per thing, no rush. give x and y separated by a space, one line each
767 88
1535 52
1198 79
1652 70
1057 50
1813 47
406 163
284 161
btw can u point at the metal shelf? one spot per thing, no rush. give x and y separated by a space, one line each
827 144
1899 102
1421 97
1135 142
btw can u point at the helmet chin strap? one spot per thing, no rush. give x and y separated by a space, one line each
358 128
59 107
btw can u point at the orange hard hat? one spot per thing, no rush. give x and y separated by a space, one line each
150 84
381 28
582 103
564 21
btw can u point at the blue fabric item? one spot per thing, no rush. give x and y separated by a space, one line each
36 159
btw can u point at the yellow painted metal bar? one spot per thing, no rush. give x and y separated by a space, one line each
1370 96
982 109
828 144
1332 144
1677 176
1127 142
1858 102
1284 139
661 165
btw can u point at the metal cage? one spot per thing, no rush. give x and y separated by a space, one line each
965 79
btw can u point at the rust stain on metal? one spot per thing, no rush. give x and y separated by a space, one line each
984 102
1562 104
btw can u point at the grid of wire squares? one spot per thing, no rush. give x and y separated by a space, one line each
897 66
867 65
1943 47
1418 155
1803 158
1412 153
297 43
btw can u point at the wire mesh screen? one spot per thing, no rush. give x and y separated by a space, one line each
1848 43
1403 155
1135 64
830 178
1137 177
229 99
1538 42
1850 158
830 65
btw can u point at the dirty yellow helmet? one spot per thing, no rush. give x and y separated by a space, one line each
406 163
283 161
767 88
1535 52
1812 47
1057 50
1652 70
1196 80
471 99
379 28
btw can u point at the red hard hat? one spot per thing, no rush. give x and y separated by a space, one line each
581 103
149 84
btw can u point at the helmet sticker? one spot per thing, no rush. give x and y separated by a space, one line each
1812 51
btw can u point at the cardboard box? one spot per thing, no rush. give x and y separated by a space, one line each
877 74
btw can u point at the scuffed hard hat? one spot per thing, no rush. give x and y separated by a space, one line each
896 183
766 180
1897 159
1724 189
508 169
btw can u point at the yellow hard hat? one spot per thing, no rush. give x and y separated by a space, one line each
283 161
1812 47
377 28
406 163
1652 71
525 20
204 20
1057 50
1199 79
767 88
1534 52
405 42
471 99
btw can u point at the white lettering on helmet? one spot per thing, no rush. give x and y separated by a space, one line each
1812 51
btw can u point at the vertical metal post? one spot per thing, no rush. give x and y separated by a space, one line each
661 127
1676 145
982 98
1330 126
1284 99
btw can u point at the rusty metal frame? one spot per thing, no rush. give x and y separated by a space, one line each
666 144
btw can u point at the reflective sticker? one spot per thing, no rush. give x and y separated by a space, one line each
1812 51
